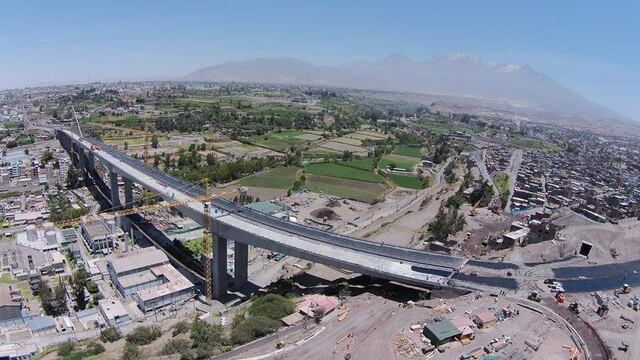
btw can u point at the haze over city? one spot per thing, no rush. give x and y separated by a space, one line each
588 46
319 180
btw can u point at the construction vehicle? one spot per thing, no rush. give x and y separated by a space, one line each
624 346
474 210
574 308
533 296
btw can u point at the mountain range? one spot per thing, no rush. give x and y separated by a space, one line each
517 88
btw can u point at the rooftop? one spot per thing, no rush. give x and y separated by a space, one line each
97 229
142 259
41 323
112 308
442 329
175 282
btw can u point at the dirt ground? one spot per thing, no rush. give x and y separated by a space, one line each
379 328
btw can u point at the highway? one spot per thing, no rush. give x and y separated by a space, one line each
241 224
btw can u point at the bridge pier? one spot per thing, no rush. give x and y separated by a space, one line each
240 265
115 192
91 161
219 266
128 193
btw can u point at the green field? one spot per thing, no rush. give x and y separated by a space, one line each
127 121
401 161
341 171
405 181
441 128
362 164
410 151
131 140
501 180
278 178
533 143
356 190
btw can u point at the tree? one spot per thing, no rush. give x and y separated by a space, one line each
273 306
73 178
207 338
131 351
54 302
126 145
66 348
154 141
156 160
253 327
46 156
110 334
78 283
144 335
318 314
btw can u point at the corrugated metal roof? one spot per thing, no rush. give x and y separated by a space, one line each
442 329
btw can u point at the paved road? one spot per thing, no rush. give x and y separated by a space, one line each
512 170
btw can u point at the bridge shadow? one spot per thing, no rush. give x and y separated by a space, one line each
308 284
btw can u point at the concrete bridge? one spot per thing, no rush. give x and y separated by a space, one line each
231 222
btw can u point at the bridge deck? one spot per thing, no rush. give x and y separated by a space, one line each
391 262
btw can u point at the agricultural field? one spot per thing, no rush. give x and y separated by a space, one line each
132 140
278 178
345 172
531 143
444 128
405 181
237 149
283 141
367 135
411 151
340 147
362 164
345 188
400 161
124 121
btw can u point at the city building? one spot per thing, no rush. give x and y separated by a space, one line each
440 332
113 311
10 310
99 236
18 351
149 278
42 325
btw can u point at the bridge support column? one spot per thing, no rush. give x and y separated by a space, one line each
128 193
240 265
91 161
128 203
82 156
219 267
75 154
115 192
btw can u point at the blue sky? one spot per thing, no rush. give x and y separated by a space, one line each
593 47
